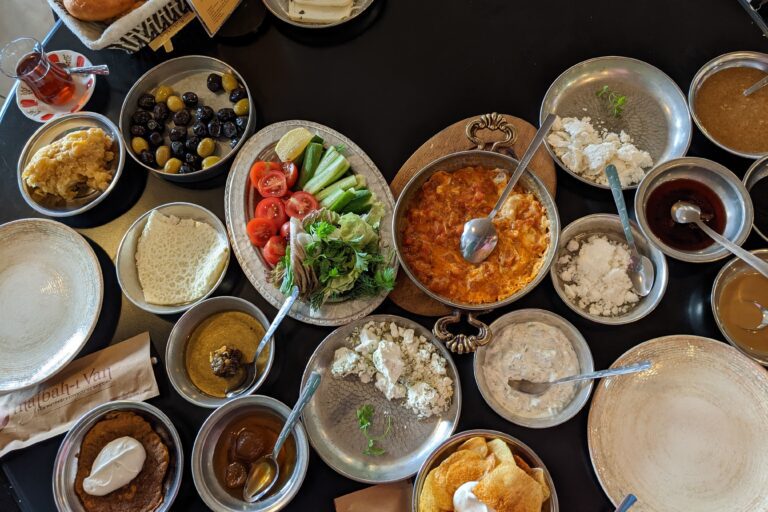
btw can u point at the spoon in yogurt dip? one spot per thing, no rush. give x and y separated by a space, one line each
539 388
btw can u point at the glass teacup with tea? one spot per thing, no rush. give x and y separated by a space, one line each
25 59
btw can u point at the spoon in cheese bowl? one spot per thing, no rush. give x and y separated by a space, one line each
539 388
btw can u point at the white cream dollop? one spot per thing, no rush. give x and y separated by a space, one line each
464 500
119 462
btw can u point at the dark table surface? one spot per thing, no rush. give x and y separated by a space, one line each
390 80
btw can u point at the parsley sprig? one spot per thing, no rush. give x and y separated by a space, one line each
616 101
365 421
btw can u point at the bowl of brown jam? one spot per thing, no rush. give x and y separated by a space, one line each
722 198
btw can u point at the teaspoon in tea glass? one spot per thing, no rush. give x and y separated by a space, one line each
539 388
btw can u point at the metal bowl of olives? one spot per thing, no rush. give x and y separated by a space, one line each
185 119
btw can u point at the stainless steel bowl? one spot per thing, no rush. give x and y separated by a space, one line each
208 487
755 60
757 172
656 115
518 448
58 129
730 270
175 349
280 9
733 194
125 260
579 344
188 73
65 465
610 226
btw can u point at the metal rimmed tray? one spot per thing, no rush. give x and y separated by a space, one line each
51 291
332 425
280 9
240 202
656 115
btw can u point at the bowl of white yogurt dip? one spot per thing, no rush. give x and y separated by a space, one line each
539 346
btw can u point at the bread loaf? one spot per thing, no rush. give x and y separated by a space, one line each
99 10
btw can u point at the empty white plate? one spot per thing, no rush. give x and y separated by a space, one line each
51 290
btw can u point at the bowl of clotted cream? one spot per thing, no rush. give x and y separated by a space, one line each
537 346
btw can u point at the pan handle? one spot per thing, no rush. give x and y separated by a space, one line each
462 343
494 122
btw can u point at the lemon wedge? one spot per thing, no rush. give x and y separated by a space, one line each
292 144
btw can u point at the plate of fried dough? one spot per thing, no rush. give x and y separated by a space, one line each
484 467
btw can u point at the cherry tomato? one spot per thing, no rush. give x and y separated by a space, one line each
291 172
260 231
272 184
285 230
274 250
300 204
272 208
260 168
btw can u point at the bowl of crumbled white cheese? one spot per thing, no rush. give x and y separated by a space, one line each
590 271
619 111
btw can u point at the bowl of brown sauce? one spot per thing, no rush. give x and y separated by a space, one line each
232 438
734 293
736 123
210 346
756 182
724 202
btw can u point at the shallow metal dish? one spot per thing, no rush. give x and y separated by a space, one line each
206 483
610 226
730 270
332 425
757 172
280 9
240 201
125 260
656 115
51 292
65 465
583 353
735 198
184 74
755 60
518 448
58 129
175 350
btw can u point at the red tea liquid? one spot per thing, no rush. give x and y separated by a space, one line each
48 81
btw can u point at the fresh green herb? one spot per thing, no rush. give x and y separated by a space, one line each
364 422
321 229
616 101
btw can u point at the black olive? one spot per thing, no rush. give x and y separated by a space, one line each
200 129
192 142
234 142
146 101
229 129
147 158
225 114
177 148
182 118
161 112
189 99
214 128
204 114
241 122
193 160
177 133
154 126
138 131
214 82
237 94
141 117
155 139
185 169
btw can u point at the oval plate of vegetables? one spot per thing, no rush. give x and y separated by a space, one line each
306 207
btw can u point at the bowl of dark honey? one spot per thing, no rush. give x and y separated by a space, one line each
756 182
720 195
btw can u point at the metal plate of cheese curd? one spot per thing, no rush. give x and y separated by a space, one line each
333 425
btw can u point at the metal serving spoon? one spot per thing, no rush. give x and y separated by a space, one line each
101 69
756 86
251 369
627 502
640 270
763 320
539 388
686 213
479 237
264 472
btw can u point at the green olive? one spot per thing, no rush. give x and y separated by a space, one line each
139 144
210 161
162 93
229 82
162 154
241 107
206 147
174 103
172 165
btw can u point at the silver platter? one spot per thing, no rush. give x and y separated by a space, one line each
331 422
240 202
280 9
